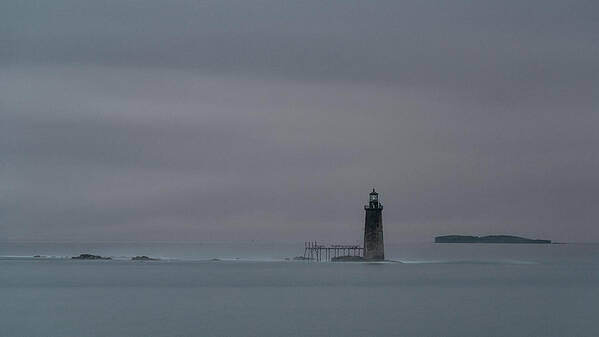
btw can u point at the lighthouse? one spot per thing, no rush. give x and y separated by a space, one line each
374 248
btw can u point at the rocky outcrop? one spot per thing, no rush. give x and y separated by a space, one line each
143 258
348 258
90 257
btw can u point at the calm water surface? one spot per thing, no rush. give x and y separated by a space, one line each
438 290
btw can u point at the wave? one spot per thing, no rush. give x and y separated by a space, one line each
268 259
467 262
34 257
158 258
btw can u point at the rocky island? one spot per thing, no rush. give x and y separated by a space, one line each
90 257
143 258
487 239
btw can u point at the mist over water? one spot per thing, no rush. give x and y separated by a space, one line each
440 290
276 251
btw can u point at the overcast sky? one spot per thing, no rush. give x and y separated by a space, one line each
272 120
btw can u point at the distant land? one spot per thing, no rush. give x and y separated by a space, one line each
486 239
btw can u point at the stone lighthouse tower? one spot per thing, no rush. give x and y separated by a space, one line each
374 248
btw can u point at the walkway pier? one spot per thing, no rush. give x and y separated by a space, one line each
318 252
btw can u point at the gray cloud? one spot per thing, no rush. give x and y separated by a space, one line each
271 120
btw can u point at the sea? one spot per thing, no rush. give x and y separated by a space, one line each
257 289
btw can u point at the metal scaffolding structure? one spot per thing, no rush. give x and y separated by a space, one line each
317 252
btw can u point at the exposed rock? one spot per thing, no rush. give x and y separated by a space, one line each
90 257
348 258
144 258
